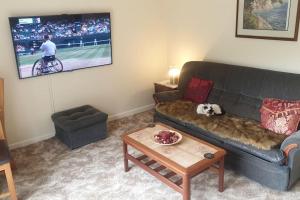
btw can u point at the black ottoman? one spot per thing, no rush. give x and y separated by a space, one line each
80 126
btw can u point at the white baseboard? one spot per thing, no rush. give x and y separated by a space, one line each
30 141
110 118
131 112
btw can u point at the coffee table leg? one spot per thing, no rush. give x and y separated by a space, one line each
221 175
125 150
186 187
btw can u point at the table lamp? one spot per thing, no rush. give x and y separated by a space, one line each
174 75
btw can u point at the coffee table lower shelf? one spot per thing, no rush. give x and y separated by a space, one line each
181 185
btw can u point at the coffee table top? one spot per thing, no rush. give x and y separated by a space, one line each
186 154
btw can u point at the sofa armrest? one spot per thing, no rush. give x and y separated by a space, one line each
167 96
291 149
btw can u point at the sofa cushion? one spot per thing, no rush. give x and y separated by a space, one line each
198 90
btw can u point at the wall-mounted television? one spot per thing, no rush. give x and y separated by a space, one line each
58 43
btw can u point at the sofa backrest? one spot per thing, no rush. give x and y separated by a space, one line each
240 90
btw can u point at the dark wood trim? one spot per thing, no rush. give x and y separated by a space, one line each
179 182
237 18
169 174
159 168
221 175
149 163
297 22
155 174
295 38
142 157
125 151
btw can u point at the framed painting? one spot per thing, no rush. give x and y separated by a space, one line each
268 19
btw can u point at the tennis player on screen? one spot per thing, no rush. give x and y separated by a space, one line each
49 50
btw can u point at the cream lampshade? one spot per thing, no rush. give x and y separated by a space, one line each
174 73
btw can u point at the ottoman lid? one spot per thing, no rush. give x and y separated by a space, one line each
77 118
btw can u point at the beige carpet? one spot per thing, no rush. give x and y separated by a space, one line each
49 171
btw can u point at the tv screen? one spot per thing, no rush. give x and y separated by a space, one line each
52 44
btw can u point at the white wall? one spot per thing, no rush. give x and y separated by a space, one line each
205 30
139 56
148 36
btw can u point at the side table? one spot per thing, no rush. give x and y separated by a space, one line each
163 86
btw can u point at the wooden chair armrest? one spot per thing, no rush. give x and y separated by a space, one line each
2 134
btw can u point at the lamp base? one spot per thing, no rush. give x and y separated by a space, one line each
174 80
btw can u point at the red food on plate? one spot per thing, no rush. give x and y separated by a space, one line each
166 137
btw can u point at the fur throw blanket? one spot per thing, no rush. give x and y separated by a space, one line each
225 126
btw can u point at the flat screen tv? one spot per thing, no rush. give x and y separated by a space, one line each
51 44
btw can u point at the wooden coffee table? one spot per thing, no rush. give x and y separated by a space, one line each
180 162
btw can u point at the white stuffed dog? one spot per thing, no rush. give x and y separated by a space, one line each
209 109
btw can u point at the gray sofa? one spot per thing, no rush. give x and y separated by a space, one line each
240 91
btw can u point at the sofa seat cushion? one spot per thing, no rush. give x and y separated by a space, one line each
227 126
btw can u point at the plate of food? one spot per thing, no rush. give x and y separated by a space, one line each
167 137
